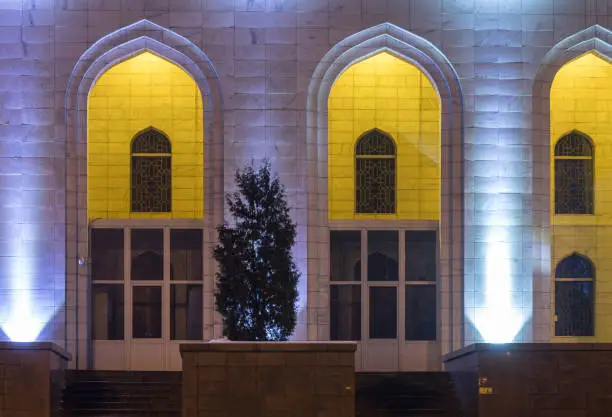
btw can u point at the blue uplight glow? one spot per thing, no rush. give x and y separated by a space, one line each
499 320
23 324
28 313
33 289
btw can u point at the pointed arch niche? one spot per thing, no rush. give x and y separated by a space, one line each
115 48
570 100
418 52
136 109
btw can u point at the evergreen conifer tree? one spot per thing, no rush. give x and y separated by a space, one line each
257 279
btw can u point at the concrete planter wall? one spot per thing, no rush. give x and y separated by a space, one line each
543 379
269 379
32 378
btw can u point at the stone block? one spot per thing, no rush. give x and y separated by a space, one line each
32 375
268 379
532 379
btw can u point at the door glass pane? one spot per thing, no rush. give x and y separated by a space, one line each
421 312
107 254
383 312
185 312
421 255
147 255
383 248
107 311
147 308
345 255
186 255
345 308
574 308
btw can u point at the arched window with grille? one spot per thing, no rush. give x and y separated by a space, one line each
151 172
375 166
574 296
574 174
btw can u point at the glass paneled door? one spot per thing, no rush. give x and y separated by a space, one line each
383 294
382 281
147 296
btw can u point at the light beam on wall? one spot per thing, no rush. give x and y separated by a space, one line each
33 294
499 320
23 324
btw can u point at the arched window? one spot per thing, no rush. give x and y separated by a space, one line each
151 172
375 173
574 297
574 175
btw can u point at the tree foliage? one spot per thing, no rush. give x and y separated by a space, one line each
257 279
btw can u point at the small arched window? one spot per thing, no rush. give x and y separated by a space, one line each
574 174
151 172
375 173
574 296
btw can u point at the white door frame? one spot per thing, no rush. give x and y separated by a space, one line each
392 354
155 353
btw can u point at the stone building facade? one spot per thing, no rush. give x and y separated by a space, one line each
273 81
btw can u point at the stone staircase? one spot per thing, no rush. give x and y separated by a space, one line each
158 394
406 394
122 394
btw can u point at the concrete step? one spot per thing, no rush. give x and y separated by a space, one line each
122 394
158 394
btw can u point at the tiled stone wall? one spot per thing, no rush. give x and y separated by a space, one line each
31 377
269 379
483 55
538 380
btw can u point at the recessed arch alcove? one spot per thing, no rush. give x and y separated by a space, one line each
422 54
592 49
114 48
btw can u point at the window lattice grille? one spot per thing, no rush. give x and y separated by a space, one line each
375 173
375 143
574 175
574 144
574 297
151 173
151 141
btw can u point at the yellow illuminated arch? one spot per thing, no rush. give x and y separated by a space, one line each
581 101
143 91
389 94
579 98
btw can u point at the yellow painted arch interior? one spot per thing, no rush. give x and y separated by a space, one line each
390 94
143 91
581 99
